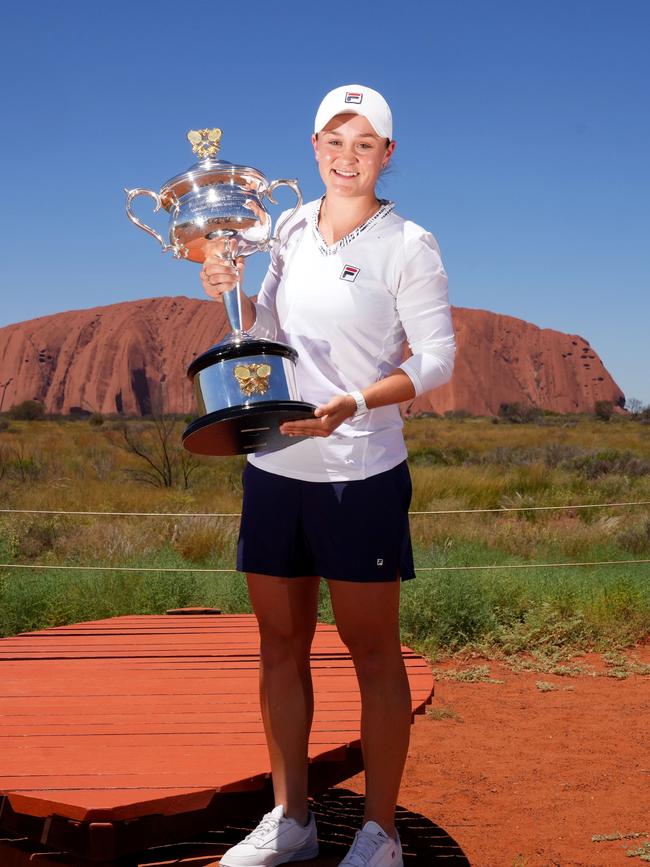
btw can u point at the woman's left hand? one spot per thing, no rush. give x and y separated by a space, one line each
328 417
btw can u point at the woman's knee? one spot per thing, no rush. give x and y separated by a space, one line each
286 612
277 645
372 650
367 616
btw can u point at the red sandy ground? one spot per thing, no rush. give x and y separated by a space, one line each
519 778
526 777
515 777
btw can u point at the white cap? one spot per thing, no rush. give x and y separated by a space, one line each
356 99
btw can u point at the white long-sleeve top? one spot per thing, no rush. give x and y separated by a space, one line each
348 308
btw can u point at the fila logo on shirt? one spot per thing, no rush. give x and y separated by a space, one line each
349 273
355 98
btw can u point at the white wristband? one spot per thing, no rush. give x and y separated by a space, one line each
359 399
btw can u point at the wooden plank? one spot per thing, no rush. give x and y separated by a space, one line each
29 726
119 705
111 720
118 801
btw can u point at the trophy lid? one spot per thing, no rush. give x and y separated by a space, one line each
229 349
209 170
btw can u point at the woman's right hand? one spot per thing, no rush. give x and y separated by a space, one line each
217 275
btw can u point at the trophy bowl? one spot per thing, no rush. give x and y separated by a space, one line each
245 387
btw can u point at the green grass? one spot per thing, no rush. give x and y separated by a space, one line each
456 464
35 599
443 712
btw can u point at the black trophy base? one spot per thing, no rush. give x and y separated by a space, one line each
242 430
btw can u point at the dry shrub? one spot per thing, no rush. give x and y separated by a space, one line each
113 542
203 539
478 486
34 537
551 536
430 456
623 463
524 503
635 537
469 486
102 462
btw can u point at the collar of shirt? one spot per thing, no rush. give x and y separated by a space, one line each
385 208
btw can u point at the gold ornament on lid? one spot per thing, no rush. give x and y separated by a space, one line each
205 142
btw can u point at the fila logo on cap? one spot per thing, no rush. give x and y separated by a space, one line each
349 273
355 97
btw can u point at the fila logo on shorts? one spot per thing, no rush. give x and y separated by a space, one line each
355 98
349 273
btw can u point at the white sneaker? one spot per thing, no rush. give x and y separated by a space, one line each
276 840
372 847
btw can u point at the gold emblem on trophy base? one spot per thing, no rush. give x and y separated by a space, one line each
253 378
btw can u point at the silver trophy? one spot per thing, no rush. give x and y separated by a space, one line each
245 387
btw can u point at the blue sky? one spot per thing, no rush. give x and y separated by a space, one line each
523 137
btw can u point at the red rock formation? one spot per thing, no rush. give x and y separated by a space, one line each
501 359
114 359
120 358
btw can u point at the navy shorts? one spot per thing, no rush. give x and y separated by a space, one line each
348 531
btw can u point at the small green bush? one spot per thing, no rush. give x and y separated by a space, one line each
518 413
609 461
28 410
603 409
204 540
458 413
636 538
452 457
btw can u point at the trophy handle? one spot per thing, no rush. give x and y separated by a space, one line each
179 251
269 193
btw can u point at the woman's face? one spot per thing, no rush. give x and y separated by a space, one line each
350 155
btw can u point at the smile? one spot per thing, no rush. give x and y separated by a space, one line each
345 174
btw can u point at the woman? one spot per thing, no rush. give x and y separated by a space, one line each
349 281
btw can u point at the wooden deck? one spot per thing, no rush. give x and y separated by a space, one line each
134 731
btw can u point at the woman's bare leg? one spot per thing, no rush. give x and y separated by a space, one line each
286 611
367 618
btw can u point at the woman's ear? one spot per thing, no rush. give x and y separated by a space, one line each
390 149
314 142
